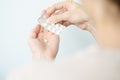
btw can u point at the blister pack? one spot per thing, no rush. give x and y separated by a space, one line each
54 28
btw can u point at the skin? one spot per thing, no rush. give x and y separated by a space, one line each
107 22
92 16
41 48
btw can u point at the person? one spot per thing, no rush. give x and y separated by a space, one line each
99 62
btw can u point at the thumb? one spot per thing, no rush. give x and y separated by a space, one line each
58 18
35 32
33 35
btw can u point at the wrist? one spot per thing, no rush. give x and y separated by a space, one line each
91 28
88 26
40 57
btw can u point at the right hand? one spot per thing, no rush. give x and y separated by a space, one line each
69 13
43 44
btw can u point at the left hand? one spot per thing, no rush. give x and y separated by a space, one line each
43 43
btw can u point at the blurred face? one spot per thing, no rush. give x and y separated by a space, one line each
104 15
94 9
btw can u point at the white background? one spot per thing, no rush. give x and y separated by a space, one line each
17 18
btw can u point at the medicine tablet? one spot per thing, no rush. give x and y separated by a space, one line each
54 28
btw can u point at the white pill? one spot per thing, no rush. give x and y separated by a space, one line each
55 28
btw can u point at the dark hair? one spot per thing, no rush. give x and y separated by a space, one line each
116 2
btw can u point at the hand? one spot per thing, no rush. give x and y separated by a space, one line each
67 13
43 43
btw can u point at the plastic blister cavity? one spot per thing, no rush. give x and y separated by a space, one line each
54 28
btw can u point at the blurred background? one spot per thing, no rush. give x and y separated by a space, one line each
17 18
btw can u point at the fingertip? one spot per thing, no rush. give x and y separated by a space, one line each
43 12
38 25
49 11
36 30
54 8
54 19
33 35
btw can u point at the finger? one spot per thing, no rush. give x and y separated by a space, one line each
43 12
35 32
41 33
37 29
47 32
42 29
55 7
32 35
58 18
66 23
